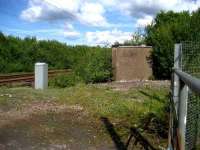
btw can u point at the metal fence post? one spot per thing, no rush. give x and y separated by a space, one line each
182 114
175 96
176 81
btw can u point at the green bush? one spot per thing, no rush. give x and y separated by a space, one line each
94 65
63 81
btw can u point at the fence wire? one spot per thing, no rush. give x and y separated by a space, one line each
190 63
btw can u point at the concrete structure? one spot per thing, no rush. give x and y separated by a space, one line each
131 63
41 76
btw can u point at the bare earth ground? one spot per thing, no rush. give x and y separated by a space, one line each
48 125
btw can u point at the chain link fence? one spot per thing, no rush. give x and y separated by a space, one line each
185 103
190 63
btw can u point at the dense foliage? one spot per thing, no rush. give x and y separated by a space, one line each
91 64
167 29
65 80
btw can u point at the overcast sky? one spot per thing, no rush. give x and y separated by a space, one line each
92 22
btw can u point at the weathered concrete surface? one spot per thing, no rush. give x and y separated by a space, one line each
131 63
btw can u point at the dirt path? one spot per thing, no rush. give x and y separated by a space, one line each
35 108
49 126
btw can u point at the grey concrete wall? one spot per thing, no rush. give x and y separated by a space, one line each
131 63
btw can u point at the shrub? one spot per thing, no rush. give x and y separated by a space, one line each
63 81
94 65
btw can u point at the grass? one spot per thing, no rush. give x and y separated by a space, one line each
127 108
98 101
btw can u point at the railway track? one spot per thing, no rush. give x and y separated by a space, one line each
27 77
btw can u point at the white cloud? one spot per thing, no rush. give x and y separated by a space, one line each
68 5
144 10
90 13
143 22
107 2
94 12
70 33
138 8
107 37
47 10
68 26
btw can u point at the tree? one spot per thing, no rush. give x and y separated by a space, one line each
167 29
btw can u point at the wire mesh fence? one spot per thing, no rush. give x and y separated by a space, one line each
190 63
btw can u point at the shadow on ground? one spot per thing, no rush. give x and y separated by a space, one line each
135 139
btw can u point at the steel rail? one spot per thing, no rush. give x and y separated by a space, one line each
7 76
28 77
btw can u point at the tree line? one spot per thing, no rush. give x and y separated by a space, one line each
91 64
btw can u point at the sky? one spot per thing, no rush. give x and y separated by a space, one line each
90 22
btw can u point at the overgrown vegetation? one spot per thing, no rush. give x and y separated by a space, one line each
81 108
100 101
167 29
62 81
130 107
91 64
